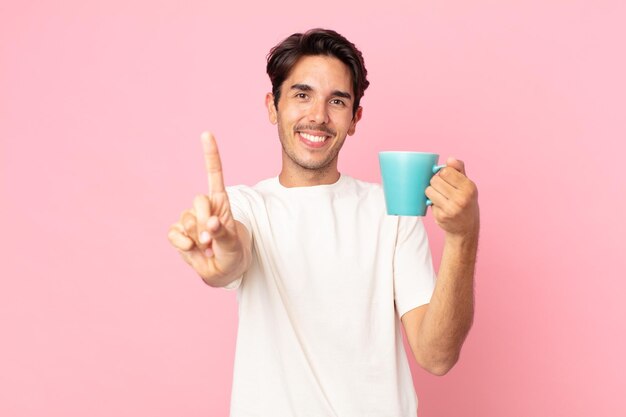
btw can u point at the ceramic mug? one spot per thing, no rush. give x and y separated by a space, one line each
406 175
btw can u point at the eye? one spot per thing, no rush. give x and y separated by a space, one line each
301 95
337 102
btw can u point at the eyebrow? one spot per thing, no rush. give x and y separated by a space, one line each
336 93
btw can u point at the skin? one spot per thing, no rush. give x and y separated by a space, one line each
206 236
316 99
436 331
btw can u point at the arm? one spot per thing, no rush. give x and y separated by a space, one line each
436 331
207 236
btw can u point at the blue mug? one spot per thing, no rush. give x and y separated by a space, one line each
406 175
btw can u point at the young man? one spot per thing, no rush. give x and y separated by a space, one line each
324 277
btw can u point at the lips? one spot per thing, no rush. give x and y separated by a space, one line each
313 141
313 138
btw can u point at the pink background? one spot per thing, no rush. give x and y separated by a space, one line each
101 108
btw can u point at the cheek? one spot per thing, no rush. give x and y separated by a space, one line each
293 115
343 121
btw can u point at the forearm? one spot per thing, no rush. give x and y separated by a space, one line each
450 313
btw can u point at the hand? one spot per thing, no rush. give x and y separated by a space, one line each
206 235
455 200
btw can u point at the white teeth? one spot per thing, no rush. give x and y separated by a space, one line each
313 138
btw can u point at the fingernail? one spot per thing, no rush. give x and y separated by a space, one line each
204 237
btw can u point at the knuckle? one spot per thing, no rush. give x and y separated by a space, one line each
189 224
178 243
443 216
173 230
171 236
187 245
469 196
182 216
198 199
473 190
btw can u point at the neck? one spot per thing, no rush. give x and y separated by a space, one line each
297 176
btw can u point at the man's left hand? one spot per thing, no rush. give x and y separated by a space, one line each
455 200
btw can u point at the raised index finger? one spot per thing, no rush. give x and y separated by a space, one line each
213 163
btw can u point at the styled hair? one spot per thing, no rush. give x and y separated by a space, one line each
286 54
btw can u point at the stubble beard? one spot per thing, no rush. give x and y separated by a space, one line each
320 165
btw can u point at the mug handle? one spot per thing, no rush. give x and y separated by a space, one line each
436 169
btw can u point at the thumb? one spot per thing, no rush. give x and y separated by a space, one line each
220 232
456 164
215 227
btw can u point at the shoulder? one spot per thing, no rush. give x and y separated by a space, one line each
248 190
250 196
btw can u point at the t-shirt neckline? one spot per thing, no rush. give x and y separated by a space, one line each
311 188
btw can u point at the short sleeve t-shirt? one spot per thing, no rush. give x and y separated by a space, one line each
320 306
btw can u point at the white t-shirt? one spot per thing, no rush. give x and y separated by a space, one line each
319 308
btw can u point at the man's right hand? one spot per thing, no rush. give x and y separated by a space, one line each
206 236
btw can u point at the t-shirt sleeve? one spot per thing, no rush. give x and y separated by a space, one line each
238 204
414 275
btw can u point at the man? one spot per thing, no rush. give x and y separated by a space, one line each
324 276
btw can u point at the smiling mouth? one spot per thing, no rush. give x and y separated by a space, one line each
313 138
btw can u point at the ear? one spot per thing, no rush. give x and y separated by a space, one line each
271 108
355 120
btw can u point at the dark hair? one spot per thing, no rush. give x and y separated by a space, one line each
284 56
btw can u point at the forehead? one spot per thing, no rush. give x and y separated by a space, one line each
320 72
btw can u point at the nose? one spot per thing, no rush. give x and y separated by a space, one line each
318 112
